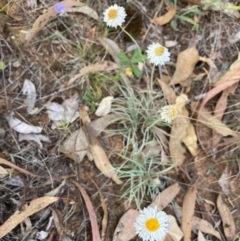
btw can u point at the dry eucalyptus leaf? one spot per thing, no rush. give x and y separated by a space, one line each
105 66
125 229
56 190
204 226
200 236
38 138
168 92
22 127
224 181
76 146
227 219
185 65
190 140
165 197
29 90
188 212
99 156
166 18
206 118
104 107
27 210
179 131
174 232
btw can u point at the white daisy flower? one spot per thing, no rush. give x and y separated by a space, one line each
114 16
168 113
151 225
158 54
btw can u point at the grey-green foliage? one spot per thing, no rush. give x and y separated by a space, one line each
140 114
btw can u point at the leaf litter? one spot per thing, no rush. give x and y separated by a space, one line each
179 146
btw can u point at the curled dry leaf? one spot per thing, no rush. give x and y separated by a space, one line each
185 65
178 132
200 236
22 127
29 90
166 18
26 211
38 138
205 227
188 212
190 140
104 107
125 229
105 66
227 219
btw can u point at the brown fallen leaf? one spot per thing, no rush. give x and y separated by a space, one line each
174 232
27 210
178 132
204 226
227 219
168 92
105 210
166 18
91 212
190 140
165 197
125 229
231 77
188 212
105 66
212 122
99 156
76 146
185 65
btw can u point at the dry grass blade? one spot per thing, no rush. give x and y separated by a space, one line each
188 212
28 210
91 212
227 219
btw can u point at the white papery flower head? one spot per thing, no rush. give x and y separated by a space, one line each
114 16
168 113
151 225
158 54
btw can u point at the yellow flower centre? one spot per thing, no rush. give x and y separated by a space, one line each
152 224
173 111
159 51
112 14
